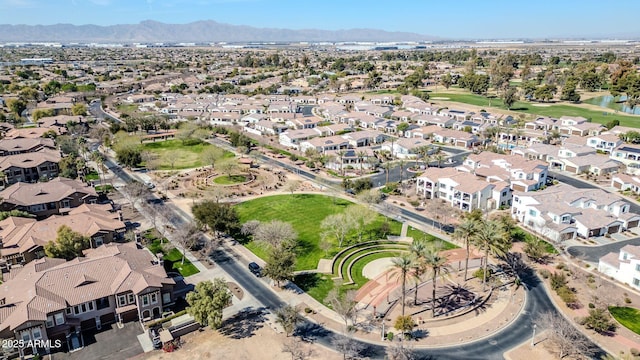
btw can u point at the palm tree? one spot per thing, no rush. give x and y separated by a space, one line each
387 165
465 232
417 251
361 155
437 265
341 154
403 265
489 237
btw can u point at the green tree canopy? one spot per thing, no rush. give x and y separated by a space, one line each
68 245
207 301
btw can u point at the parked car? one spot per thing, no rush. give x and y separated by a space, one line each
149 185
255 269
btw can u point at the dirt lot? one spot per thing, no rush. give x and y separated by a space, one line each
262 343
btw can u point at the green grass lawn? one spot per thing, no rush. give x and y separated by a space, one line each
184 156
104 188
92 176
172 258
628 317
305 212
552 110
226 180
357 268
316 285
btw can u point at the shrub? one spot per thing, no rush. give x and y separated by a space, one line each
627 300
600 321
390 336
635 352
308 310
592 306
545 273
560 266
558 280
567 295
480 273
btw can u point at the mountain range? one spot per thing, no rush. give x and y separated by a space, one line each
199 31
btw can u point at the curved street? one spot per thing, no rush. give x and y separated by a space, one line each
491 347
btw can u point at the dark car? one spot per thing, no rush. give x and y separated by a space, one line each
255 268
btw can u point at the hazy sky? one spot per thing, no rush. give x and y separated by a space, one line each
448 18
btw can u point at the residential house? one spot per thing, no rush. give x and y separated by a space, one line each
351 159
25 145
324 144
457 188
562 212
365 138
629 155
604 142
455 138
521 174
441 121
29 167
406 148
293 138
23 239
624 182
54 299
54 197
623 266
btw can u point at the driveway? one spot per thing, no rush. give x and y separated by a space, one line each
111 343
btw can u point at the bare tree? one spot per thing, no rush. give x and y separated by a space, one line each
187 236
218 193
369 197
348 346
360 216
344 305
400 351
563 338
274 233
297 348
293 185
250 227
155 213
134 191
211 155
288 317
338 225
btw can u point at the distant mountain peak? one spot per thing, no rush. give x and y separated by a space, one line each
199 31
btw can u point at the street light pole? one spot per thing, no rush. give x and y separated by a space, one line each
533 336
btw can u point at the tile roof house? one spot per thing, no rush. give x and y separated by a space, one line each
25 145
520 173
629 155
51 299
29 167
54 197
23 239
459 189
562 212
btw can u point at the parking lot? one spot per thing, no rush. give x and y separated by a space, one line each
110 343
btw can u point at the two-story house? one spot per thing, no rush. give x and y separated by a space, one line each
457 188
57 196
54 299
29 167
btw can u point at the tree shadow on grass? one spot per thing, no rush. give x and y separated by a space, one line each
244 324
307 281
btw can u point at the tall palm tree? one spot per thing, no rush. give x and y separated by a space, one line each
417 251
437 265
341 154
465 231
361 155
490 238
403 265
387 165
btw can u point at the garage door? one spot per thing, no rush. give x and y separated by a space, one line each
571 169
617 185
632 224
614 229
518 187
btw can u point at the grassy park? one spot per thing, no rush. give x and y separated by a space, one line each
175 155
305 212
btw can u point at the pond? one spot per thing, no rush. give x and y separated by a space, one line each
616 103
